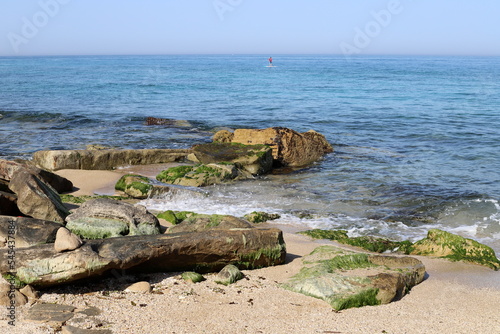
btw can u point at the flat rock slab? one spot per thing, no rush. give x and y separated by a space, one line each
347 279
54 314
105 159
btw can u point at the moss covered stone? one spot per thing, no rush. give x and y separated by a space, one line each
257 217
373 244
347 279
456 248
199 175
135 186
193 277
229 275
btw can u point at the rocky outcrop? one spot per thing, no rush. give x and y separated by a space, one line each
211 250
199 175
105 159
135 186
8 168
28 231
289 147
254 159
456 248
201 222
35 198
104 218
168 122
346 279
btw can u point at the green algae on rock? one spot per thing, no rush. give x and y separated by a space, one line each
229 275
347 279
135 186
257 217
193 277
370 243
456 248
199 175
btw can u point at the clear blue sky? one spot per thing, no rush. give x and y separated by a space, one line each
436 27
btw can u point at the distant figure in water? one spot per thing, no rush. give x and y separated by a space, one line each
270 61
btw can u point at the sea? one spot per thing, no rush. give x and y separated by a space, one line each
416 138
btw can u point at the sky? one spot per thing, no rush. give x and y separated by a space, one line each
349 27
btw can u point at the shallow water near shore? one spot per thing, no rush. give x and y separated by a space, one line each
416 139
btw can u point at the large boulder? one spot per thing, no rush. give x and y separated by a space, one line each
255 159
202 222
8 168
347 279
456 248
35 198
207 251
28 231
105 217
199 175
289 147
105 159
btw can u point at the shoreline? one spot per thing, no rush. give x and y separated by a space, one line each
454 298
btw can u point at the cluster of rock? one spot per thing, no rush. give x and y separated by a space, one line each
437 244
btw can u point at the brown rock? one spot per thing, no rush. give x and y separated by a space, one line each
30 292
105 159
28 231
223 136
290 148
66 241
35 198
141 287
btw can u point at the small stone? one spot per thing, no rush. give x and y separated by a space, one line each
6 298
30 292
228 275
191 276
141 287
53 314
66 240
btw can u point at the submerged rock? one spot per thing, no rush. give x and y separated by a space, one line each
456 248
346 279
104 218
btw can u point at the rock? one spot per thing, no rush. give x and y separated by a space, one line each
175 217
223 136
59 183
66 241
135 186
3 241
191 276
105 218
105 159
229 275
37 199
456 248
30 292
289 147
254 159
370 243
199 175
201 222
8 204
28 231
210 250
12 296
141 287
53 314
257 217
347 279
168 122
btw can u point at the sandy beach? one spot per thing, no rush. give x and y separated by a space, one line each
454 297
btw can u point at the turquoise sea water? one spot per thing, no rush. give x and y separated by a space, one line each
416 139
